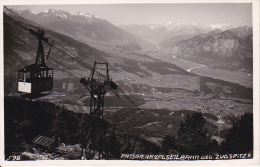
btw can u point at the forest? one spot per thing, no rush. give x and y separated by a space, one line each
24 120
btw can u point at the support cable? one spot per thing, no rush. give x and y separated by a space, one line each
78 61
85 65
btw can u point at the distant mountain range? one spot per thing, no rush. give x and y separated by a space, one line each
81 26
159 31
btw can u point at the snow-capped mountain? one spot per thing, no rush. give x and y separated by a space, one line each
81 26
170 26
164 30
49 15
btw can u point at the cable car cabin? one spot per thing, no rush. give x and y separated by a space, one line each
35 79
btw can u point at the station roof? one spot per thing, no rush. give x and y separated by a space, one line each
43 140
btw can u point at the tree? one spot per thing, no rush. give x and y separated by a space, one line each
193 136
168 143
113 146
240 138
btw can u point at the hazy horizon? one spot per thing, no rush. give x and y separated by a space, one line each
239 14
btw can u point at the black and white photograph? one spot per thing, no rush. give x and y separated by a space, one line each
136 82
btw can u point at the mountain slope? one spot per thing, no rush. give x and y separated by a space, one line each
170 42
133 65
242 31
20 49
80 26
224 50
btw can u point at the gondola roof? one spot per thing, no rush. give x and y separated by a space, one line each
34 68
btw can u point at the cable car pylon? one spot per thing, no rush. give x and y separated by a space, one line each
97 86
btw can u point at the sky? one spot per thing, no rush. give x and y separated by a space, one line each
202 13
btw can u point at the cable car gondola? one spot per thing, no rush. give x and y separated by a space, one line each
36 79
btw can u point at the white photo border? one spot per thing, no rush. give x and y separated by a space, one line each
256 63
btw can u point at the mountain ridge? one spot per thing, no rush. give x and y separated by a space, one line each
84 27
163 31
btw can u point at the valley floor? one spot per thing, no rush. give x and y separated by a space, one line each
239 77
